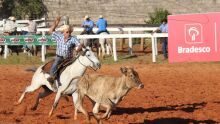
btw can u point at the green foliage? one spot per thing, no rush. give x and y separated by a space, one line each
21 8
157 16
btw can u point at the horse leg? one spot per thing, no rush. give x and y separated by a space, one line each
28 89
108 47
41 95
57 98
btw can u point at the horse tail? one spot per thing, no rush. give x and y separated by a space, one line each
33 69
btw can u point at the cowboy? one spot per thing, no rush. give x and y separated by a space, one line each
65 45
102 25
88 25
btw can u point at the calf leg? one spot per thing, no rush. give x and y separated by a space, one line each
41 95
108 111
78 103
95 109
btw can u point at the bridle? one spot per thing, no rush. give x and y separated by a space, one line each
88 59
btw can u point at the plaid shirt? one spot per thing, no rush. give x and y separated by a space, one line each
65 49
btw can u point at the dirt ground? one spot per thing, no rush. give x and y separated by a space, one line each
183 93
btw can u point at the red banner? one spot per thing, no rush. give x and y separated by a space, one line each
194 37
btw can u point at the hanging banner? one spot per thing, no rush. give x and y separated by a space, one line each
194 37
25 39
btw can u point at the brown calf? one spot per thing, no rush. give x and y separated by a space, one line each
106 91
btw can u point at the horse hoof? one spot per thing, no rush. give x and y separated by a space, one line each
17 103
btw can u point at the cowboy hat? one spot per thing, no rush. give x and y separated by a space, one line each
12 18
100 16
87 17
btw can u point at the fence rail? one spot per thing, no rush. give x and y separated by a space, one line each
116 32
114 37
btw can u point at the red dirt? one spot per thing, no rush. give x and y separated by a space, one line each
184 93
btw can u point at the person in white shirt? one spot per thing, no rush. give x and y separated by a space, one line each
10 27
32 27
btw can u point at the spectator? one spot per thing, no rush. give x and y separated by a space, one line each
32 26
88 25
10 27
65 45
102 25
164 29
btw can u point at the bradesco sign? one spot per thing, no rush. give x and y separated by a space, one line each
194 37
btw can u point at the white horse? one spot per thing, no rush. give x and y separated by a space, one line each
102 45
105 45
68 79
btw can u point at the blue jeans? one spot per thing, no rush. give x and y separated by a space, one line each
57 61
164 47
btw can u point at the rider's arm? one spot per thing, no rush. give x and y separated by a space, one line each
55 24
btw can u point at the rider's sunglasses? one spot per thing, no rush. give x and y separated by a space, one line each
67 32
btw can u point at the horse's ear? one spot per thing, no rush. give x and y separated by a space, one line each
84 52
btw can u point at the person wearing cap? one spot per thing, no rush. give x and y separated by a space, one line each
65 46
10 27
102 25
88 25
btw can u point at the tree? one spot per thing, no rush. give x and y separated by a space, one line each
157 16
21 8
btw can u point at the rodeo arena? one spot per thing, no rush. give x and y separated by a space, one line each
101 62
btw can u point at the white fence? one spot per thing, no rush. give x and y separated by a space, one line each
114 37
127 33
22 24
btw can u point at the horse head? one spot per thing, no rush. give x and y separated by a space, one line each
88 59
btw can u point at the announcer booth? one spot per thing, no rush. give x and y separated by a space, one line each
194 37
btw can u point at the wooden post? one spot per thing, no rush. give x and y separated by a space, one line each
142 44
122 44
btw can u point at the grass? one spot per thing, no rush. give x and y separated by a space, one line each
23 59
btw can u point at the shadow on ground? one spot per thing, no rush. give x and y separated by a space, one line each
176 121
184 107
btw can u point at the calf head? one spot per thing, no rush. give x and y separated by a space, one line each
132 78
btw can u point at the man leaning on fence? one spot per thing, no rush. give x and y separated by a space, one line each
164 29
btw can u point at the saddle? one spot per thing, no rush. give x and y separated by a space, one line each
61 67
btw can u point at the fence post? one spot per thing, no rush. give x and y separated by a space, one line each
156 50
6 51
142 44
130 44
43 51
153 49
114 49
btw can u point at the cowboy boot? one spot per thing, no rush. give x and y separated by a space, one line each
51 80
